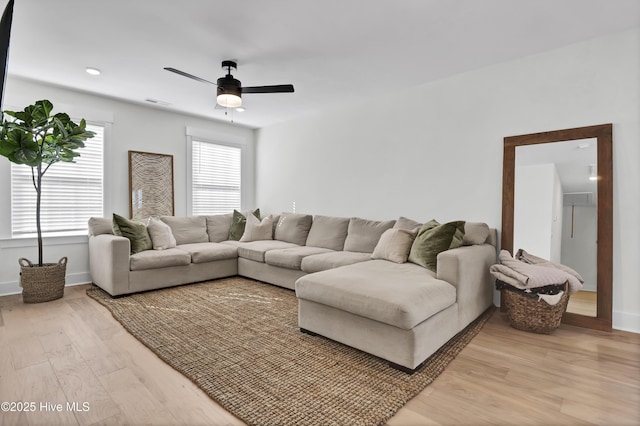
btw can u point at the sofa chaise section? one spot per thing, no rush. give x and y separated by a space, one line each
399 312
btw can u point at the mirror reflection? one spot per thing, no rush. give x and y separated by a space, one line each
555 210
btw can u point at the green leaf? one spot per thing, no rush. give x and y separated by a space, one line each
8 148
27 156
34 136
46 105
24 116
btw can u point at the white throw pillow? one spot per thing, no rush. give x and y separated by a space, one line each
256 229
161 235
394 245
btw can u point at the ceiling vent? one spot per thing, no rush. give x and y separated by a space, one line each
157 102
578 199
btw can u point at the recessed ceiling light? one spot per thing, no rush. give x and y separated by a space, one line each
241 109
93 71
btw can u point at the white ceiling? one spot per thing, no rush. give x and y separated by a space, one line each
331 50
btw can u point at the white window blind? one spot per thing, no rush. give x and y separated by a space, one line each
71 193
215 178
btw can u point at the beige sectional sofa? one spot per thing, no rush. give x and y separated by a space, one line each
401 312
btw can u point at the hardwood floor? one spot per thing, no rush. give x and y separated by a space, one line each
72 350
584 303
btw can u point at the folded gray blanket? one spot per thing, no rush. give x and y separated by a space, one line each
530 276
535 260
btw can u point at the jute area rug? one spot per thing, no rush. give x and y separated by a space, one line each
238 340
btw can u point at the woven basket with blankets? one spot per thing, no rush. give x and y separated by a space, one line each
535 291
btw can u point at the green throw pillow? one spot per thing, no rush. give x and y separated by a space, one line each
238 223
136 232
434 238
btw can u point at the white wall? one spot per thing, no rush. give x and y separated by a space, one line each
134 127
436 150
537 211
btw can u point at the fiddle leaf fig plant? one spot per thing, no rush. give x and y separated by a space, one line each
37 139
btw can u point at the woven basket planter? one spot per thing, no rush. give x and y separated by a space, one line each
527 313
42 283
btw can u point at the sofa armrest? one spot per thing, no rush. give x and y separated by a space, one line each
109 263
467 268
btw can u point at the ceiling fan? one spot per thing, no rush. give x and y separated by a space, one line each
230 90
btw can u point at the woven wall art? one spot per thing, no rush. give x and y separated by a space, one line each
150 185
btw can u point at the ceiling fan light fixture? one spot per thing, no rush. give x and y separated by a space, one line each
229 92
229 100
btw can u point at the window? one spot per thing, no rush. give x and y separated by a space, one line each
71 193
215 178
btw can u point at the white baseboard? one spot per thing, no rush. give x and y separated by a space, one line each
13 287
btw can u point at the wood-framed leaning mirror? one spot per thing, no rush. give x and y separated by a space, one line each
576 225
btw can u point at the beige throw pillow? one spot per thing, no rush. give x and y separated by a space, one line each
238 223
161 235
394 245
256 230
406 223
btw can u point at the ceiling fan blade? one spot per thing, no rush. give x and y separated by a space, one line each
281 88
186 74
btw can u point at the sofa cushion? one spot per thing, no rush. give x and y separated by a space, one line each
256 229
255 250
291 258
208 252
331 260
363 235
187 229
401 295
153 259
134 231
328 232
475 233
238 222
434 238
160 234
406 223
218 227
293 228
394 245
100 225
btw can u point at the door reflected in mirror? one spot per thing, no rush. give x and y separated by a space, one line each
555 210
